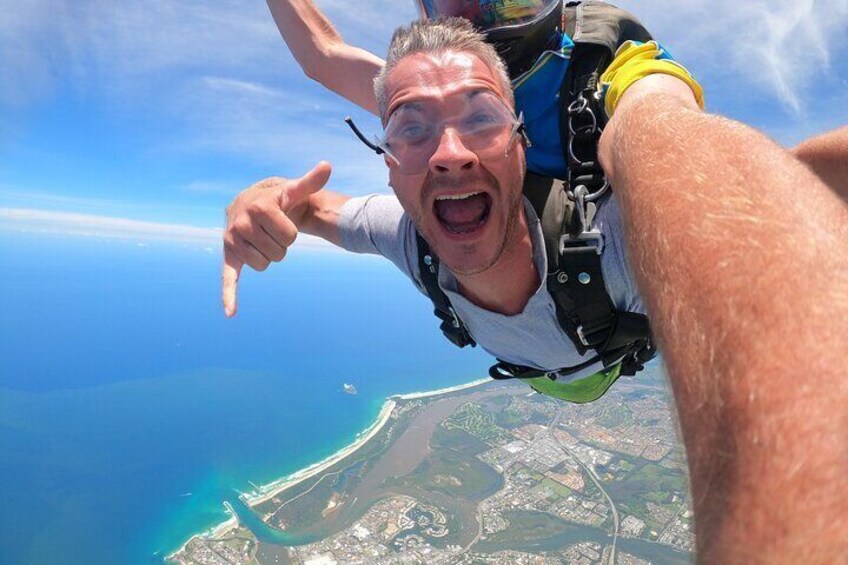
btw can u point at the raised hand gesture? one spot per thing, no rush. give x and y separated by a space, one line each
263 222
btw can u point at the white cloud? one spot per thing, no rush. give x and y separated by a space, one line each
290 129
120 47
27 198
33 221
126 48
783 49
28 220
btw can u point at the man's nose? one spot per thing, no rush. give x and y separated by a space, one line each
451 154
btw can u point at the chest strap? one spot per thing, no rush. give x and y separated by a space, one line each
428 268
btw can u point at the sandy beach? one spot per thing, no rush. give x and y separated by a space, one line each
437 392
270 490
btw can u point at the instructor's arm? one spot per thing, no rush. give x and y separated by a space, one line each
827 156
264 220
742 255
322 53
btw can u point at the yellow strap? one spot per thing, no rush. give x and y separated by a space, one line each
633 62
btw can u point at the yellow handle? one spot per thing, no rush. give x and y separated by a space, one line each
634 61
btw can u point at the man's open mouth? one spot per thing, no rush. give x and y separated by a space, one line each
463 213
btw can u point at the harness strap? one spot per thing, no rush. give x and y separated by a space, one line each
503 370
451 326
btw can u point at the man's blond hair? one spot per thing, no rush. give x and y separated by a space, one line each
439 36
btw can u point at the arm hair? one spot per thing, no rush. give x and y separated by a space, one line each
742 256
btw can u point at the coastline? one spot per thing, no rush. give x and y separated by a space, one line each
267 491
274 488
215 532
437 392
270 490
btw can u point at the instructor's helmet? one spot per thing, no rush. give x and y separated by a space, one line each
519 29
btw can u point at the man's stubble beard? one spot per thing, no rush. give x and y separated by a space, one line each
513 207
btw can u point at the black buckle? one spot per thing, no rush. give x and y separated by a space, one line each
454 329
502 371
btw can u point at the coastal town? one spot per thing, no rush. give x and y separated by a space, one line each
484 474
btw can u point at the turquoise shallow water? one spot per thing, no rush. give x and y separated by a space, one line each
123 388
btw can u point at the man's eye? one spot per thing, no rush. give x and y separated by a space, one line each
480 120
413 132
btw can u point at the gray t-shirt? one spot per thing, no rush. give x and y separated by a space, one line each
377 224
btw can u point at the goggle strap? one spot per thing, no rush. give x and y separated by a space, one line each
375 147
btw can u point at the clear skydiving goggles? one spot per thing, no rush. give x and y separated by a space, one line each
482 121
487 15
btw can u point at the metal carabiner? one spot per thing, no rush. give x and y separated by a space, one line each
598 193
580 202
578 105
584 129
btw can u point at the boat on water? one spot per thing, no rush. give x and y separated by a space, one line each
349 388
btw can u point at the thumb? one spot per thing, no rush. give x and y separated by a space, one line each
310 183
229 283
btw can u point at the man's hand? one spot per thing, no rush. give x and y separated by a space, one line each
263 222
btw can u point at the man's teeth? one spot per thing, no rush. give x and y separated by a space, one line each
457 196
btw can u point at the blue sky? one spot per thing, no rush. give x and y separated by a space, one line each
141 120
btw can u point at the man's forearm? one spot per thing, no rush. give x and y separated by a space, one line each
742 255
827 156
322 216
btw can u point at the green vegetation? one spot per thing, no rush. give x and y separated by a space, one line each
455 474
560 490
473 419
615 416
657 497
509 419
626 465
524 526
525 475
457 439
649 483
649 478
538 417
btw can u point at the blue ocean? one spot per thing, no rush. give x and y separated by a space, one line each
130 408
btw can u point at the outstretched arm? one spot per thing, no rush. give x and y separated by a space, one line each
322 53
827 156
742 255
264 220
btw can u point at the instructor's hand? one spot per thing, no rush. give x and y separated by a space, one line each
262 222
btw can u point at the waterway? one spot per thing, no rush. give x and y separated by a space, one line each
656 553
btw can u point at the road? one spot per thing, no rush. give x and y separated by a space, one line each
596 480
